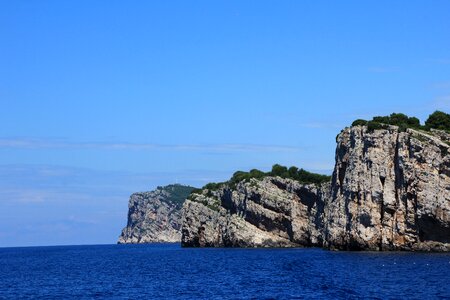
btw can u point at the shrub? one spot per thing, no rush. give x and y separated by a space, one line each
359 122
177 193
438 120
385 119
278 170
295 173
213 186
414 122
397 119
371 126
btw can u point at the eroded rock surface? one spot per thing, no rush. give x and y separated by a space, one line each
390 190
155 216
272 212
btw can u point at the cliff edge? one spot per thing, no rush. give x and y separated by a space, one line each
155 216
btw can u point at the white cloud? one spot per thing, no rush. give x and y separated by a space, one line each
28 143
36 195
24 196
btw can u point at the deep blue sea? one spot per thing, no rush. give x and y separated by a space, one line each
167 271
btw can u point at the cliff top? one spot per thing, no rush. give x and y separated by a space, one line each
173 193
438 120
292 172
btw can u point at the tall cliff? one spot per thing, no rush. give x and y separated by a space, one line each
390 190
155 216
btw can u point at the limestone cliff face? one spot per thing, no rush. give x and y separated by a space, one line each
390 190
272 212
155 216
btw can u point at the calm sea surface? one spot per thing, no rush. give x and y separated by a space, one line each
168 271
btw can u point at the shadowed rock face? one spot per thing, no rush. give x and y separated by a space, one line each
155 216
272 212
389 191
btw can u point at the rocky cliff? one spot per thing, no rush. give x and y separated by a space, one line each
155 216
271 212
390 190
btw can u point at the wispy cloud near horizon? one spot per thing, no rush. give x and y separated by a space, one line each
39 143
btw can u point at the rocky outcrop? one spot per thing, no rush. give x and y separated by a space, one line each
272 212
155 216
390 190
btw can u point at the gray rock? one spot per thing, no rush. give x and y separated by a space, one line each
155 216
272 212
390 190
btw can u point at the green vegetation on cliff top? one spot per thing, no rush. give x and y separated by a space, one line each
294 173
437 120
177 193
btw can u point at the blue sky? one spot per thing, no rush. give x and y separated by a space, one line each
100 99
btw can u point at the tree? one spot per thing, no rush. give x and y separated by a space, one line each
384 120
278 170
398 119
359 122
293 172
413 122
438 120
